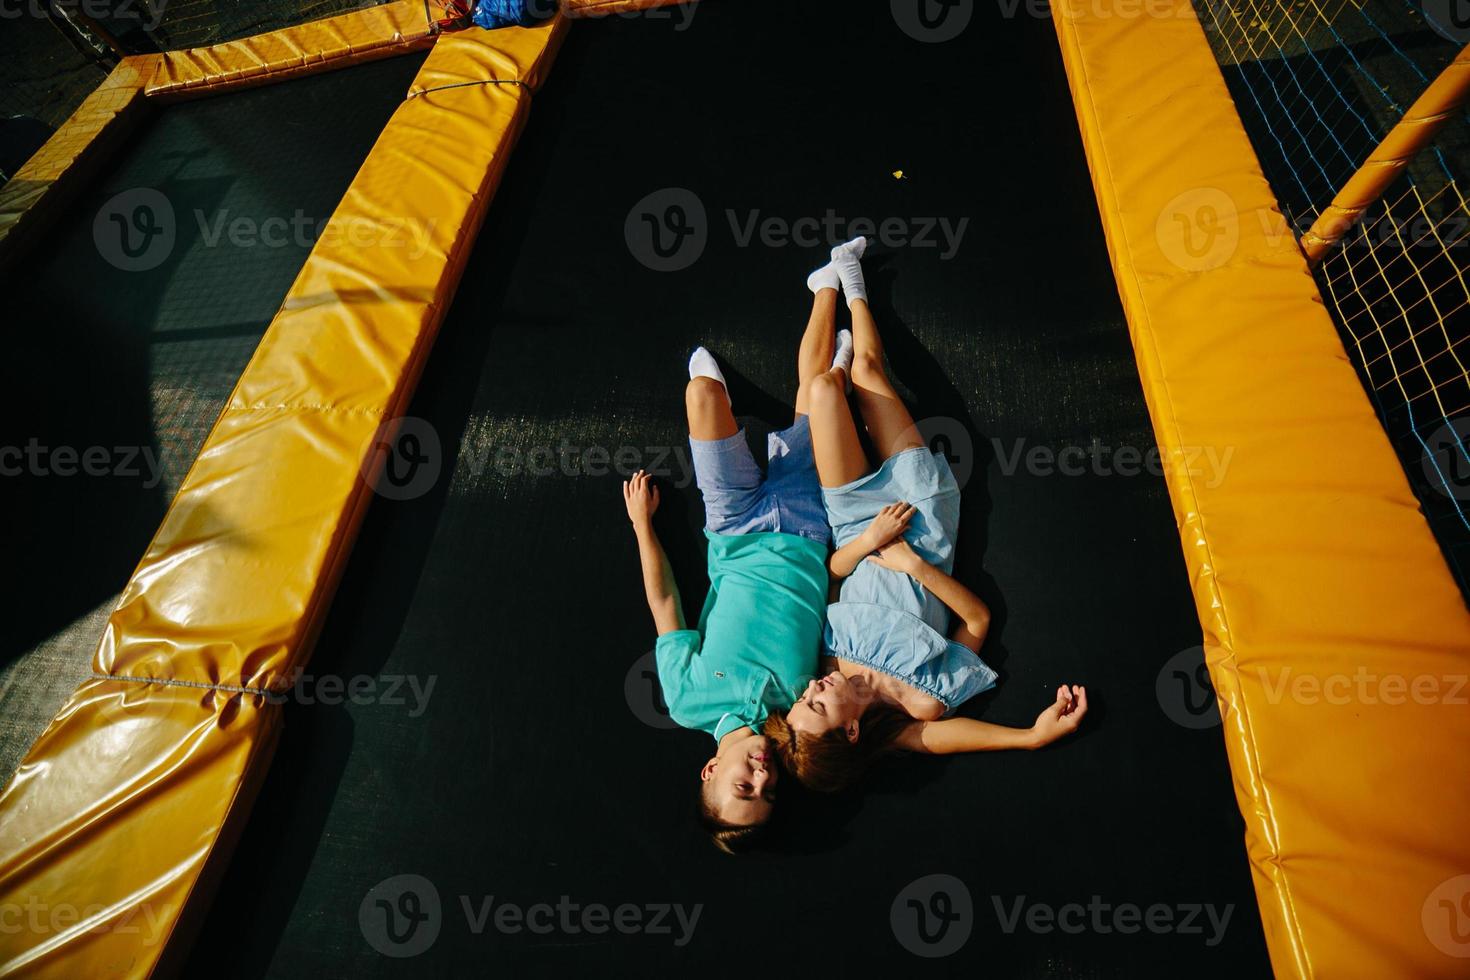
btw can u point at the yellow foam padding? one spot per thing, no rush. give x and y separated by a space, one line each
1311 563
602 8
237 580
475 56
74 151
350 38
106 867
106 117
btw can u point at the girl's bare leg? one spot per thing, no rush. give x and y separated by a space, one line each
888 421
840 456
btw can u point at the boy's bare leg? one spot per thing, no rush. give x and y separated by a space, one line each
818 344
708 405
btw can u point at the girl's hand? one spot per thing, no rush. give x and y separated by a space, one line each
640 496
898 556
1062 717
892 521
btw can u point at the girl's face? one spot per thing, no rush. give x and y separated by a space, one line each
829 702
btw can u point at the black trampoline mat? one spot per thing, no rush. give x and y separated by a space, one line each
131 352
513 586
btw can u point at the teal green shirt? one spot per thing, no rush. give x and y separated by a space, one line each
758 636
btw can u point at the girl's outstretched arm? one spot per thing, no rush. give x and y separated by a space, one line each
640 495
953 735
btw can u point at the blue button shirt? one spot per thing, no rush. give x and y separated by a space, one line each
900 644
886 620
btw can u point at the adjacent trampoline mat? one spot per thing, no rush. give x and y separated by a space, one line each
132 318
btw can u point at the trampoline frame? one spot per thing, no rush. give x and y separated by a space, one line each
1296 563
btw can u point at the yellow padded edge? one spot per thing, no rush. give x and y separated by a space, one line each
1311 563
126 812
521 56
350 38
602 8
73 151
107 836
105 117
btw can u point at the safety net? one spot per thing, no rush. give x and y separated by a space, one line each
1320 85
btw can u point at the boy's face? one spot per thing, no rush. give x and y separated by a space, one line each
740 781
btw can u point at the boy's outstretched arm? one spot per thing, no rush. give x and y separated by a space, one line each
952 735
640 495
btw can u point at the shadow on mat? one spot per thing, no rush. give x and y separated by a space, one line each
930 395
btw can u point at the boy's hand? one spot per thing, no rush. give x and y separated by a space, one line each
898 556
640 495
1062 717
892 521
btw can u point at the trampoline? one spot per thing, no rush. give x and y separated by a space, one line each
497 791
503 745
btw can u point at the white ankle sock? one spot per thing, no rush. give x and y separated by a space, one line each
702 365
824 278
843 357
848 260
